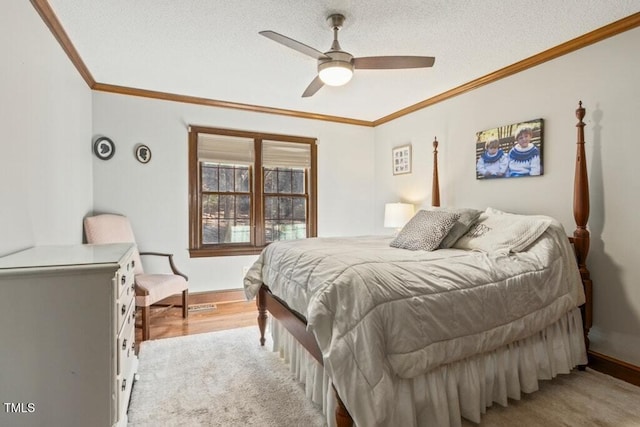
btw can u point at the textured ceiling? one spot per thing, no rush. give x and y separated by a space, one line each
212 49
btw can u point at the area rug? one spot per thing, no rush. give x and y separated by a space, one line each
227 379
217 379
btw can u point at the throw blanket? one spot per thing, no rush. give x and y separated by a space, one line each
379 313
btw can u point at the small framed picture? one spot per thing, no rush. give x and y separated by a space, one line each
143 153
401 158
104 148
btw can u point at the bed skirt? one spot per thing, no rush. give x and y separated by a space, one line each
464 388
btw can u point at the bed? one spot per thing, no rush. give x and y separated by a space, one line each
383 334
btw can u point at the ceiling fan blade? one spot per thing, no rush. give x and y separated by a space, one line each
313 87
294 44
393 62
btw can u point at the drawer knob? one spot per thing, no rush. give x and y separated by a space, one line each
124 344
124 279
124 309
124 384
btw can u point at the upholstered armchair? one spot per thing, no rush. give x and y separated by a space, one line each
150 288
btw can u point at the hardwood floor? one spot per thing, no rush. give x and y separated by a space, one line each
168 322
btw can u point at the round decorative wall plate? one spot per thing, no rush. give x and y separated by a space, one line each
143 153
104 148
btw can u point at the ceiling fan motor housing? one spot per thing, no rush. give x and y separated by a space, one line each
339 65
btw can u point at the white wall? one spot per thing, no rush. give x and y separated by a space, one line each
45 136
155 195
604 77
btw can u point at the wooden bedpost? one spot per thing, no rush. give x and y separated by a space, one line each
343 418
435 184
581 216
261 302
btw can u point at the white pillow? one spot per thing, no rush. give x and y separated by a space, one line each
425 230
496 231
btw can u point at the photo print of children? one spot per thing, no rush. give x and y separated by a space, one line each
510 151
493 162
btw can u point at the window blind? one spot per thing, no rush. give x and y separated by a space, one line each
225 149
286 154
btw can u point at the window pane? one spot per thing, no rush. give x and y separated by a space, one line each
269 231
210 231
284 180
242 179
285 230
225 231
227 206
285 208
298 182
243 207
271 208
238 232
209 206
299 230
226 178
269 181
299 208
209 177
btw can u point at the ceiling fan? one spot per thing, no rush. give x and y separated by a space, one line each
335 67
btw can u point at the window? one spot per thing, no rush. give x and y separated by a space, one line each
249 189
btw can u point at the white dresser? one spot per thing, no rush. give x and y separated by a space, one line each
67 336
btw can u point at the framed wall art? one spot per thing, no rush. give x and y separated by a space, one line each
104 148
143 153
401 158
510 151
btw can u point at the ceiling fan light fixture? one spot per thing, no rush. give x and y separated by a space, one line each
335 73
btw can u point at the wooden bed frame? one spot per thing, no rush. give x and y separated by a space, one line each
297 325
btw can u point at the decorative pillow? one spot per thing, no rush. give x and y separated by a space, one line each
467 218
495 231
425 230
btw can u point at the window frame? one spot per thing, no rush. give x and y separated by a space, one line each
257 220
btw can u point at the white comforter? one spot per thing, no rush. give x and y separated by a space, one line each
379 313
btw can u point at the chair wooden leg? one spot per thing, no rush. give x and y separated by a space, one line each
185 303
145 322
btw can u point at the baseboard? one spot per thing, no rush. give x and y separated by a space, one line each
208 297
614 367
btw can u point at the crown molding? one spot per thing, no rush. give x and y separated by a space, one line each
123 90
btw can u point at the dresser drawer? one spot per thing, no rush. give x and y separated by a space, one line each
125 383
126 284
127 366
126 340
123 308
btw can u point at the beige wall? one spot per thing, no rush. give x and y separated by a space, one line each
155 195
604 77
45 136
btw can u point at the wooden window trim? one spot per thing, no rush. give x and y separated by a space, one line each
196 248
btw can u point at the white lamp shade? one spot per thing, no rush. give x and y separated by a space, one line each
396 215
335 73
